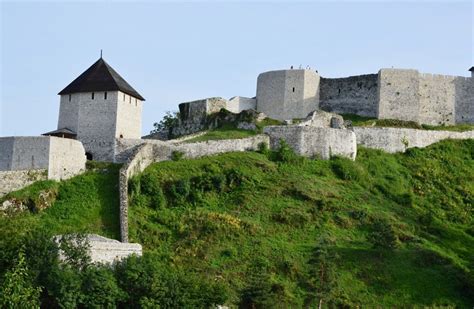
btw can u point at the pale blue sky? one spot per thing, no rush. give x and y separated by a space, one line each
173 52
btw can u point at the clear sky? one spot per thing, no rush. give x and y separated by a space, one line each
173 52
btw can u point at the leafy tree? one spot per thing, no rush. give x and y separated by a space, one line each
100 288
170 120
74 250
18 290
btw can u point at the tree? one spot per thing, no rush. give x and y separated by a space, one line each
18 290
170 120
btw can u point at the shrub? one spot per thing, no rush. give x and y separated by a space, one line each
382 235
292 216
263 148
346 169
18 290
285 153
100 288
180 189
177 155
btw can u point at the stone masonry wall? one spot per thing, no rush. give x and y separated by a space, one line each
464 105
437 97
425 98
129 117
60 158
350 95
399 139
398 94
238 104
196 150
66 158
314 141
97 123
15 180
288 94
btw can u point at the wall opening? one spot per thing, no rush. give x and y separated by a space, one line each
69 98
92 96
293 89
105 95
89 156
121 135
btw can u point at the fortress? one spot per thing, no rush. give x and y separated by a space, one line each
100 119
389 94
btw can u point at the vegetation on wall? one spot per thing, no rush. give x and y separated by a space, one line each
360 121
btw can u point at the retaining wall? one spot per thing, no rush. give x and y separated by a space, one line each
399 139
15 180
313 141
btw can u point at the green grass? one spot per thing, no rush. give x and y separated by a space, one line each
219 216
85 203
360 121
229 131
222 133
250 221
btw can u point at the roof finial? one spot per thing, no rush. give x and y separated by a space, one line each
101 54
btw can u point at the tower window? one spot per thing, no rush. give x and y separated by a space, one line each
69 98
105 95
92 96
130 100
293 89
124 96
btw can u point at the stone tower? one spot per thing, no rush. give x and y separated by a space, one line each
97 108
288 94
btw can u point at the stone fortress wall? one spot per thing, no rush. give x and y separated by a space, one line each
425 98
238 104
24 160
390 94
350 95
288 94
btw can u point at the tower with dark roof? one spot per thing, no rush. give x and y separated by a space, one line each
99 107
472 71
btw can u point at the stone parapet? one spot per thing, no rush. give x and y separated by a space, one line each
400 139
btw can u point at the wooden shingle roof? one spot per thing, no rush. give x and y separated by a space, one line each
100 77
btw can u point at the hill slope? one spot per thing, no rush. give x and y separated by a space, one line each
277 230
396 229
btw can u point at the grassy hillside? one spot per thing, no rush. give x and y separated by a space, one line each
272 229
86 203
391 229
